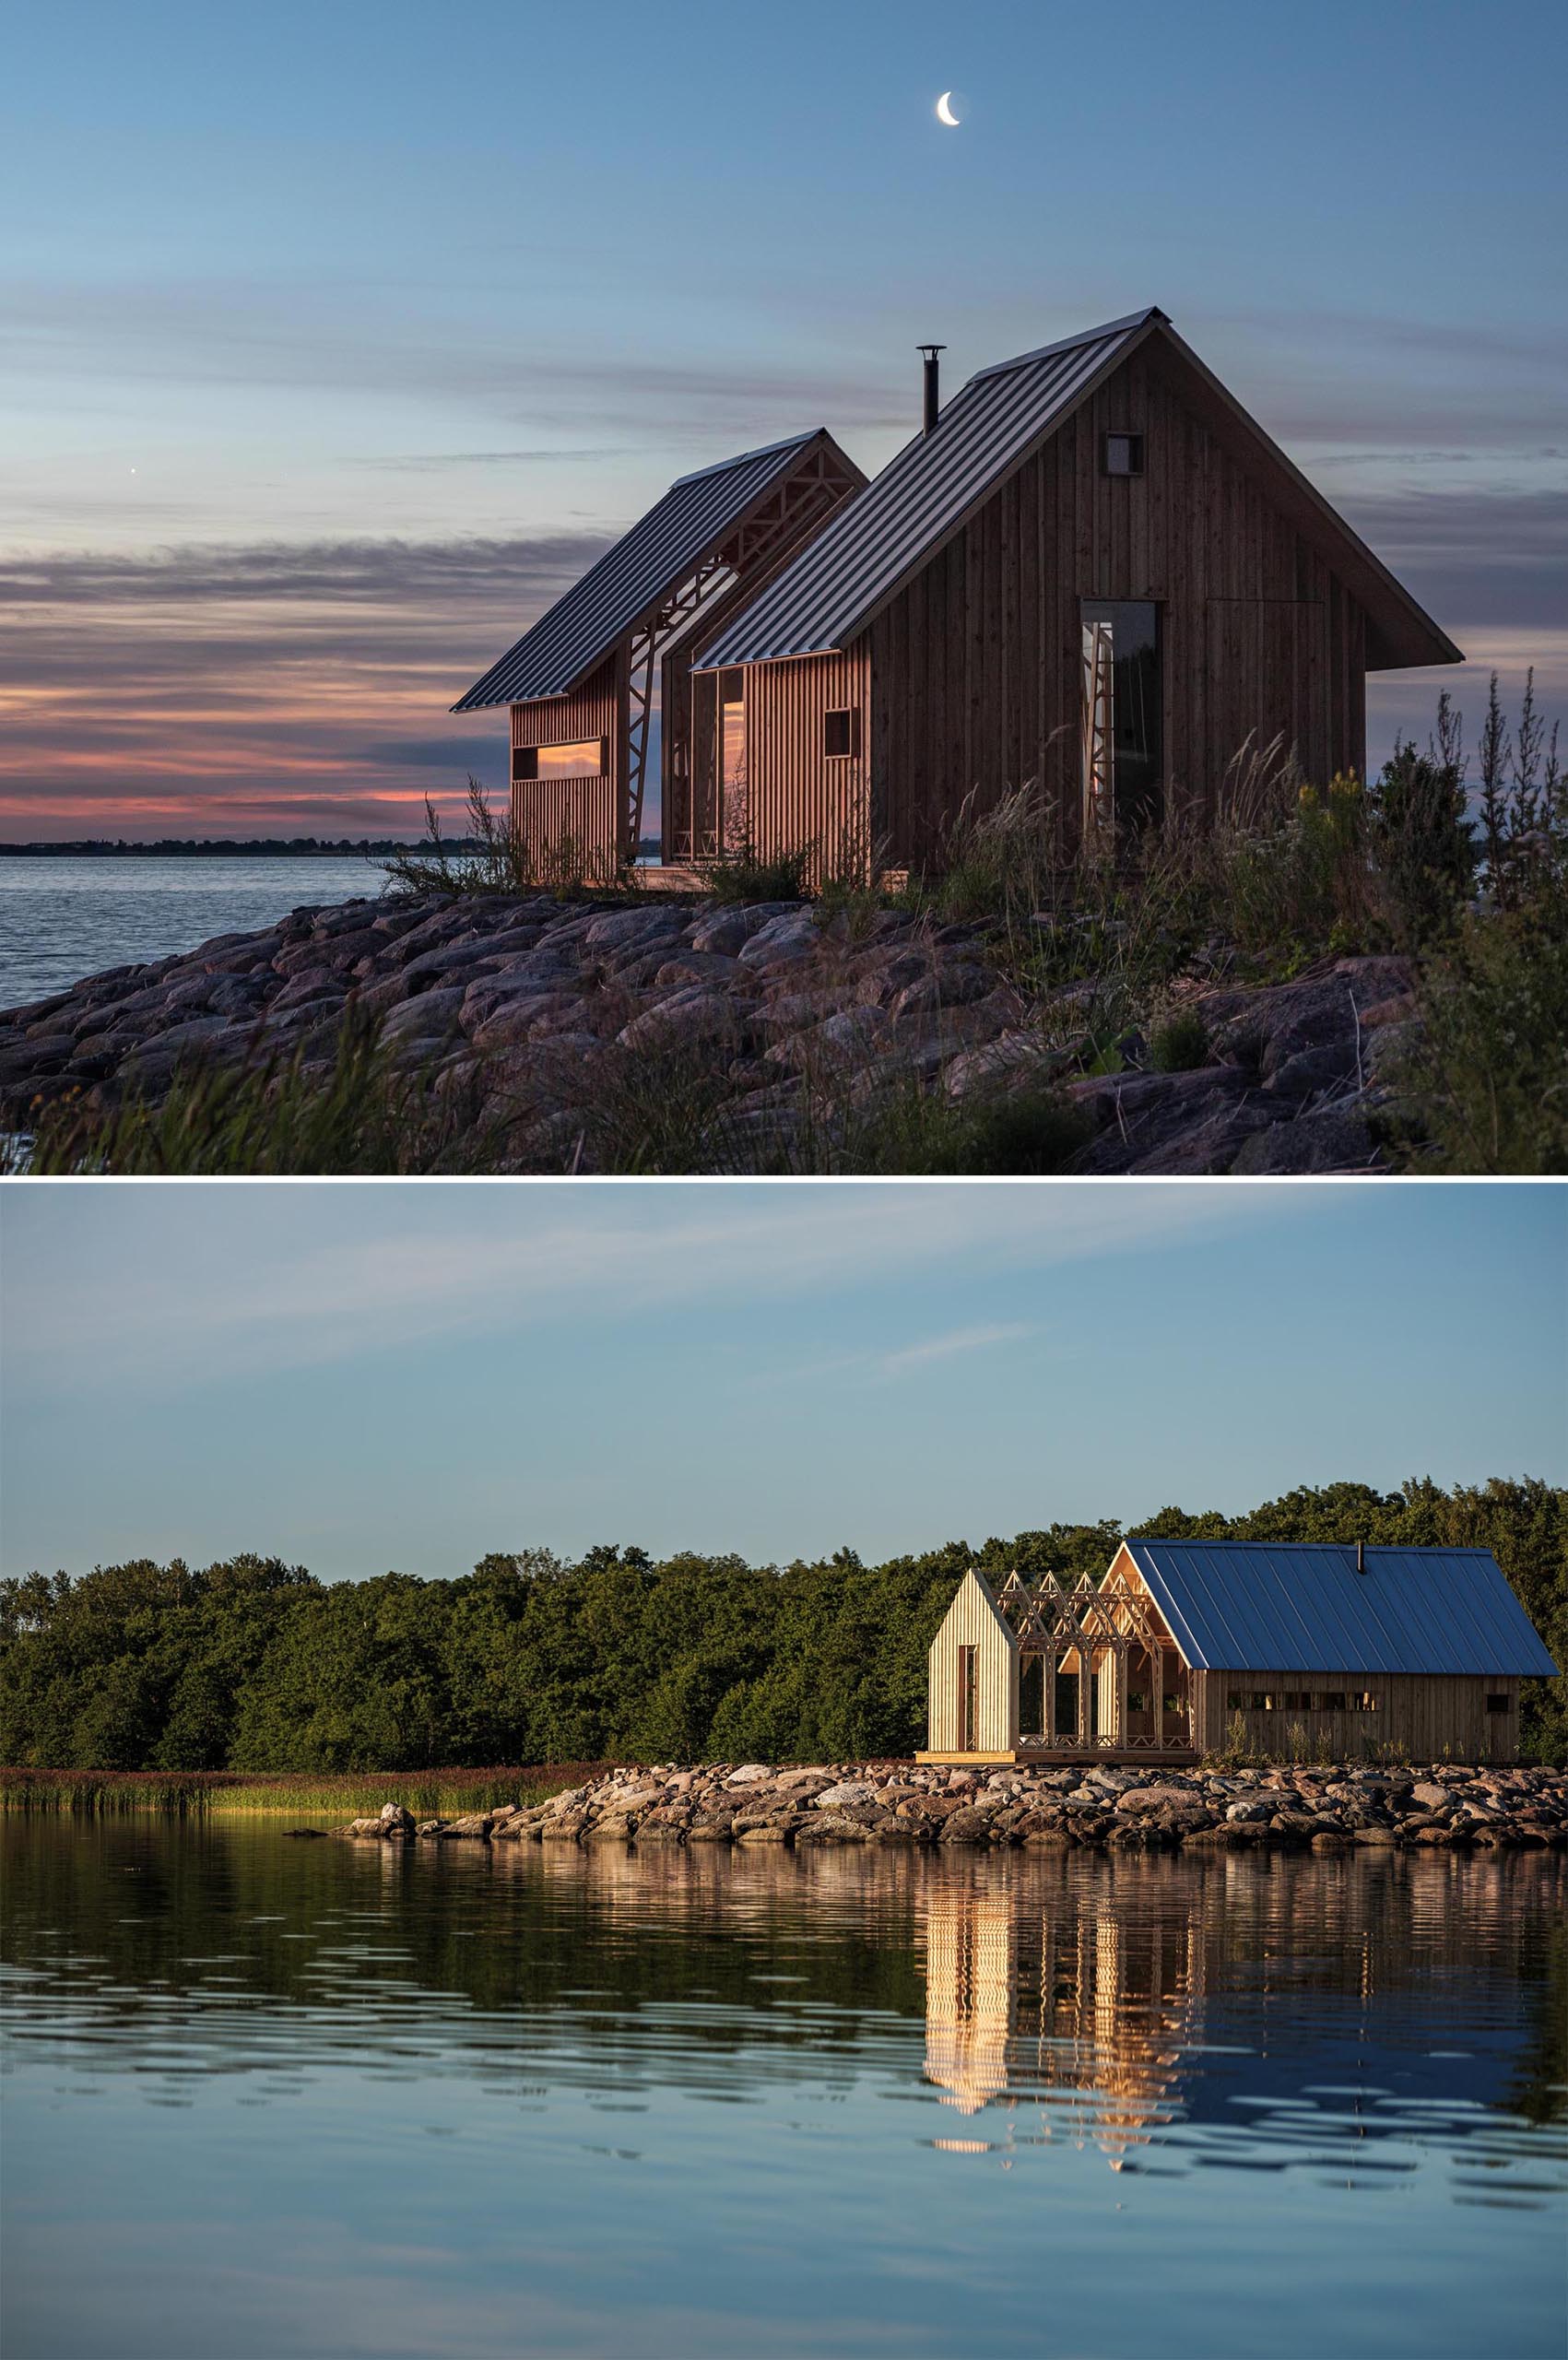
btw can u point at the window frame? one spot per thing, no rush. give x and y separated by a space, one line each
526 762
1137 451
849 715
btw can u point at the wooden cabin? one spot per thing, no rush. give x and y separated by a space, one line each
1299 1649
1094 572
582 682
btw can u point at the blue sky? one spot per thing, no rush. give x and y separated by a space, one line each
361 1377
339 338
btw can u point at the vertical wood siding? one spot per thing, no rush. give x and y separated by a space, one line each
588 810
975 667
796 796
972 1620
1426 1714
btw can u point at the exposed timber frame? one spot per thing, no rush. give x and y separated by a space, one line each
1132 1695
759 548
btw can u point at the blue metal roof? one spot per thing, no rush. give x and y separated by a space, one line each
1267 1606
634 577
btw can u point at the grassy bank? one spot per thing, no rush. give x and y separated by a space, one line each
237 1794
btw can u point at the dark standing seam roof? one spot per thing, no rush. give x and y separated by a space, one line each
864 554
1253 1605
641 570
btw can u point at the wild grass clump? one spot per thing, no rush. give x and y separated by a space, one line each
744 874
1237 1751
1482 1085
237 1794
912 1129
500 858
1180 1044
349 1107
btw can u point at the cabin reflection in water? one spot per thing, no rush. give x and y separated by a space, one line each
1052 2001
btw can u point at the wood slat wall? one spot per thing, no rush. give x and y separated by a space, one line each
796 796
975 667
588 810
1428 1715
972 1620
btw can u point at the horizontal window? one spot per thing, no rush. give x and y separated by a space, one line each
1124 454
1498 1704
1331 1701
582 757
841 734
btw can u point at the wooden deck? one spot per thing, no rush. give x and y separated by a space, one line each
1068 1757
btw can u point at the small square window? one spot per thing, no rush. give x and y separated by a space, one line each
1235 1702
841 734
1124 454
1262 1700
1497 1704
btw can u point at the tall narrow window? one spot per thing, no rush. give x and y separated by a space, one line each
732 729
968 1698
1123 719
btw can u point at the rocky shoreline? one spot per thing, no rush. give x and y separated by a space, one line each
1335 1807
792 1014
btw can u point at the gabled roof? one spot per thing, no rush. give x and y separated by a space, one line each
1269 1606
878 541
633 578
865 553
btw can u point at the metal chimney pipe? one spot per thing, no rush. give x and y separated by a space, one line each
1361 1556
933 402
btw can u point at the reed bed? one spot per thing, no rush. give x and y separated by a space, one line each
242 1794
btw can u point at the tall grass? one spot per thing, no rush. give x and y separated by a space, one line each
499 857
348 1107
237 1794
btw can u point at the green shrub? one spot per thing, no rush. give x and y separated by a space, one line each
1485 1087
746 875
1181 1044
1422 845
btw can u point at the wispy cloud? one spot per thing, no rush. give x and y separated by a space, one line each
942 1347
256 1290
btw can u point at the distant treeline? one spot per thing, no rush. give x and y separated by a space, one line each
217 847
255 1665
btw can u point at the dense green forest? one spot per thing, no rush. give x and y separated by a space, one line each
255 1665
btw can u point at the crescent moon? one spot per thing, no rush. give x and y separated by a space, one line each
944 111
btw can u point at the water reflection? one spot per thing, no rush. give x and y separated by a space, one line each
1258 2012
463 2067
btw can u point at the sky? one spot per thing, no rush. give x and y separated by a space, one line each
339 340
360 1377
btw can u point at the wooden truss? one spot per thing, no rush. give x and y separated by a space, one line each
1098 1632
765 536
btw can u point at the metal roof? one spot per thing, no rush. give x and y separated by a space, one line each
868 550
1267 1606
633 577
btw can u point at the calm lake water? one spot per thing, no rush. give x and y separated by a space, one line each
62 919
265 2097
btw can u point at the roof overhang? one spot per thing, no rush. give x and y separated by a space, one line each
790 454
